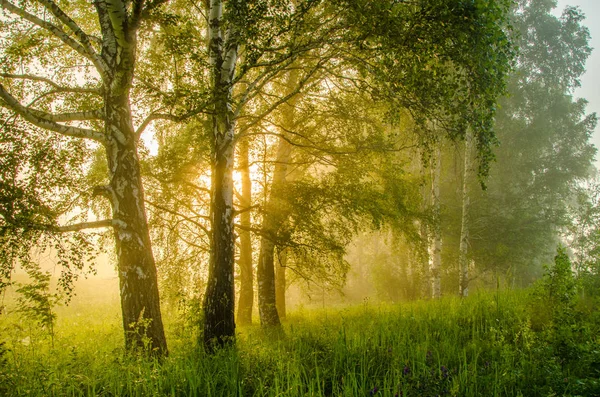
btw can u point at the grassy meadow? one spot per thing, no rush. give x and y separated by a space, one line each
489 344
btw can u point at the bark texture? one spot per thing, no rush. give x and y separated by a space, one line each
140 301
463 263
246 298
219 299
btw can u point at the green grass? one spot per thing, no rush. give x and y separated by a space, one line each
485 345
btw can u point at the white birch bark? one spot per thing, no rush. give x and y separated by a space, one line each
463 262
436 240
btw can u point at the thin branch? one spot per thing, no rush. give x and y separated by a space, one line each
101 66
283 99
57 87
170 211
71 116
35 119
84 39
156 116
87 225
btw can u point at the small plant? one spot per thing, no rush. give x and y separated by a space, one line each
35 302
554 295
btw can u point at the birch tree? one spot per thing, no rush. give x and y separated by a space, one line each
436 240
463 261
89 99
249 45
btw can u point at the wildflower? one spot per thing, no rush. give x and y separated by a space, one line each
375 390
444 371
406 370
429 357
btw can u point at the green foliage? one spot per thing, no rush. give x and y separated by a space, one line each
445 61
483 345
555 293
561 322
35 302
545 150
40 181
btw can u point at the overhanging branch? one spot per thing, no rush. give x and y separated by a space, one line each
57 87
36 119
87 225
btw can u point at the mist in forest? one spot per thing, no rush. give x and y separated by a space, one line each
308 197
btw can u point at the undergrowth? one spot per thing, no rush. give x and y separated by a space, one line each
490 344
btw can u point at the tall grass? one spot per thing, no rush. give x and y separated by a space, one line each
484 345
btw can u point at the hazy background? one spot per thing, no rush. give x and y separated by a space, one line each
590 82
105 283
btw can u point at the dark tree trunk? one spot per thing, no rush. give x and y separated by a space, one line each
246 299
273 218
280 283
265 275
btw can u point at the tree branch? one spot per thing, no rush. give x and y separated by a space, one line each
155 116
71 116
57 87
60 34
118 19
34 118
84 39
87 225
172 212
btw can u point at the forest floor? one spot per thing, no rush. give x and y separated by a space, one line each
490 344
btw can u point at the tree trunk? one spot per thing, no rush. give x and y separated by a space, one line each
436 242
267 297
423 255
246 299
272 220
140 301
280 283
274 217
266 284
219 299
463 263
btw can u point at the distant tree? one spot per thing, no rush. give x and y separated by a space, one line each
545 149
583 235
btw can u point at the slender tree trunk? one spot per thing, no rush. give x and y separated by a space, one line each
424 256
280 283
274 216
436 241
463 262
267 306
246 299
219 299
